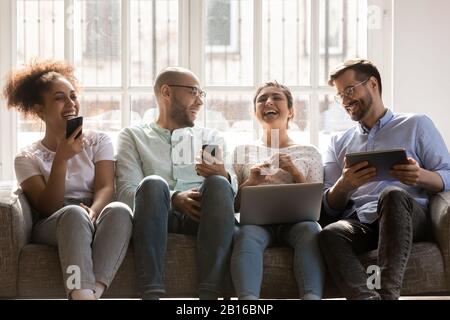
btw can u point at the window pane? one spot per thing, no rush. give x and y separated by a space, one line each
229 42
30 129
101 113
232 114
299 126
40 32
97 26
285 36
153 38
333 120
40 29
343 33
143 109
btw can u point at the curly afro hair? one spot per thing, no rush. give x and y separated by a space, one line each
24 87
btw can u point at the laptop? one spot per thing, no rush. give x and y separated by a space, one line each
281 203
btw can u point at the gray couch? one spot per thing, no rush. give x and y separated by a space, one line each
30 270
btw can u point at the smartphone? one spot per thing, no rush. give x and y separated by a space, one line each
210 148
72 125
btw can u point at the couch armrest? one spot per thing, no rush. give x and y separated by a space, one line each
15 231
440 222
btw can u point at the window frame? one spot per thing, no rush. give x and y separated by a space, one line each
8 118
191 43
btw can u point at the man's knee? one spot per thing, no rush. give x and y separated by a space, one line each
216 182
151 193
153 186
393 193
395 197
332 233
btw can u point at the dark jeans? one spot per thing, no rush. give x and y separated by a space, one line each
154 219
402 221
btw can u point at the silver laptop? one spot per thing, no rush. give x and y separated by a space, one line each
281 203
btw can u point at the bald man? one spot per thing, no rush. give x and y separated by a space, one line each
175 187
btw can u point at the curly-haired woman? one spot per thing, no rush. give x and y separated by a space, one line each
69 182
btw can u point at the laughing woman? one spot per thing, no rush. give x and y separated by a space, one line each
254 165
69 181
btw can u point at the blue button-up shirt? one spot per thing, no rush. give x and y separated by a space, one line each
415 133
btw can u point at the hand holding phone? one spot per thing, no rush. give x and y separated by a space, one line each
72 125
210 148
211 162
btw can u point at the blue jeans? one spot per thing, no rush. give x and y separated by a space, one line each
247 257
154 219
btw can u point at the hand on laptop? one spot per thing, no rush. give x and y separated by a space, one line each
188 202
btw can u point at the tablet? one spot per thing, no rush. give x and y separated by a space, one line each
382 160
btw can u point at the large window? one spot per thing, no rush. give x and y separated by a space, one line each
118 47
295 42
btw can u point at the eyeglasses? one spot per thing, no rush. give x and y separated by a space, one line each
196 92
348 92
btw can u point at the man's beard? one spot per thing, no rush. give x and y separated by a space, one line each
365 104
180 114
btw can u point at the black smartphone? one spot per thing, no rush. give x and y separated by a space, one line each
210 148
72 125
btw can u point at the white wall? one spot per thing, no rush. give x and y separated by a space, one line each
422 60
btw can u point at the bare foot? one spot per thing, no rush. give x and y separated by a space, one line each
82 294
99 289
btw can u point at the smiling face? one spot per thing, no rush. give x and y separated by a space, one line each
271 108
185 102
360 105
60 103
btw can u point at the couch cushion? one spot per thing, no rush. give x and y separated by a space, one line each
8 245
40 273
180 273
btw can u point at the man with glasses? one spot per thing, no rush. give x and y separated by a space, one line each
384 215
174 191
